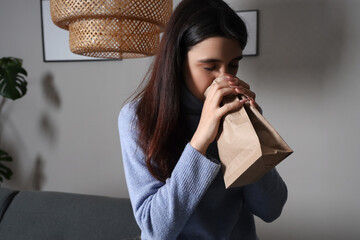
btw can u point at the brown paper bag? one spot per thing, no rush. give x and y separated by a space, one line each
248 146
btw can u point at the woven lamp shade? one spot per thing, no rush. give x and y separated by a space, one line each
112 28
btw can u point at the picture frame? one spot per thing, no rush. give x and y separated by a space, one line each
55 41
251 19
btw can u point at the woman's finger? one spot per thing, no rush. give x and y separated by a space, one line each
243 84
235 81
232 106
221 86
244 91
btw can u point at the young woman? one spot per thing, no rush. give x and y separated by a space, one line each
168 133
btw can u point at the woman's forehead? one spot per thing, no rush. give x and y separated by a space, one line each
216 48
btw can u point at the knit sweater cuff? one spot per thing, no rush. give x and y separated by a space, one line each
195 171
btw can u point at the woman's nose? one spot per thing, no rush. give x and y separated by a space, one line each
222 71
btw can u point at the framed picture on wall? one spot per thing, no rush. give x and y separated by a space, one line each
56 40
251 18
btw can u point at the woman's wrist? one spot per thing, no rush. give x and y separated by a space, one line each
200 146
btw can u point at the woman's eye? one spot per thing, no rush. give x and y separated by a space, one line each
234 66
210 68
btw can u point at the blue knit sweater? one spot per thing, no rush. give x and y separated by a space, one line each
193 203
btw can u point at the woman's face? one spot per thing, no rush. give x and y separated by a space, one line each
208 60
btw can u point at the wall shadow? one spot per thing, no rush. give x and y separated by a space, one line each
50 91
47 126
38 178
19 180
48 129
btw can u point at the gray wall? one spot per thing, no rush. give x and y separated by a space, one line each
63 133
307 80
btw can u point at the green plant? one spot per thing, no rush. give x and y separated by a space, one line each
5 172
12 86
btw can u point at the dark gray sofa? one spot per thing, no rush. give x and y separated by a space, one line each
41 215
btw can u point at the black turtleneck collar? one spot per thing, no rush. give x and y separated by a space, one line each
189 103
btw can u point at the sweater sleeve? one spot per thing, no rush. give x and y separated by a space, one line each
266 197
162 209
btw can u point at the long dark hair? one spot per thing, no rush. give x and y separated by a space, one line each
158 109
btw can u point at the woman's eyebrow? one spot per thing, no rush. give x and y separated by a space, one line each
209 60
213 60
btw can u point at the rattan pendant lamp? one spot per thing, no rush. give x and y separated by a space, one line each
112 28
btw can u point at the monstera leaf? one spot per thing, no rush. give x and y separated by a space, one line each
12 78
5 172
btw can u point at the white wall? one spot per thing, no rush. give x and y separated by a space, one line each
306 79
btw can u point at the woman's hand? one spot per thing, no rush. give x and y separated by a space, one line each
243 88
213 111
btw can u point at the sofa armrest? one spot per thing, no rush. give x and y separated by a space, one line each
6 196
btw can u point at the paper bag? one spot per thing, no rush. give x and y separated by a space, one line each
248 145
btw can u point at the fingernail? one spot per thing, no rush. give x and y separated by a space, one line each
244 100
